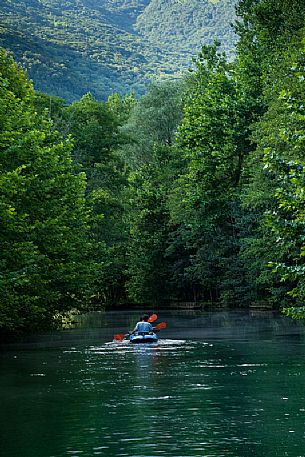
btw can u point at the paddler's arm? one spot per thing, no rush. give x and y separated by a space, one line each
134 330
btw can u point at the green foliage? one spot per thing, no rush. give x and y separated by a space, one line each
50 106
148 269
70 48
95 129
198 22
270 45
152 120
194 191
204 201
286 165
94 141
45 254
149 133
295 312
120 106
231 215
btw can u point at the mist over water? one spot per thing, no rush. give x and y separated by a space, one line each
217 384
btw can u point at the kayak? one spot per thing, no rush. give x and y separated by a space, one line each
143 337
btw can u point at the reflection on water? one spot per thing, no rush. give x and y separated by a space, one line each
236 393
100 327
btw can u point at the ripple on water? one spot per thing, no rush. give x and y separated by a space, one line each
178 398
119 347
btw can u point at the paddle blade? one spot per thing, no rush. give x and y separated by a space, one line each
160 326
152 318
119 337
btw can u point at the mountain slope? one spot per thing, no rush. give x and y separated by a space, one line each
187 23
70 47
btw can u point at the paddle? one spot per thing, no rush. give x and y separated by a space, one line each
160 326
152 318
121 336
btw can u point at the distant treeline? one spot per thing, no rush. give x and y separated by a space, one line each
71 47
193 192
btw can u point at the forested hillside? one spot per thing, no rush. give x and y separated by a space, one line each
180 25
192 192
103 46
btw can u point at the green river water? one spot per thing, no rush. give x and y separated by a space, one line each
225 384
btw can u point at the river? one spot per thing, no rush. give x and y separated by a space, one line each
222 384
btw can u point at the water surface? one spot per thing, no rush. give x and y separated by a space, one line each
222 384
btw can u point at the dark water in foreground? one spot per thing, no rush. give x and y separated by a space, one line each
223 384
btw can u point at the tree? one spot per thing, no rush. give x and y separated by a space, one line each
94 127
153 120
285 164
270 36
45 251
154 163
148 267
204 203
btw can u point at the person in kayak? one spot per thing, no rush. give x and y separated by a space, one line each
143 325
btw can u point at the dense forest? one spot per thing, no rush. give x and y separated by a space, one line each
192 192
71 47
